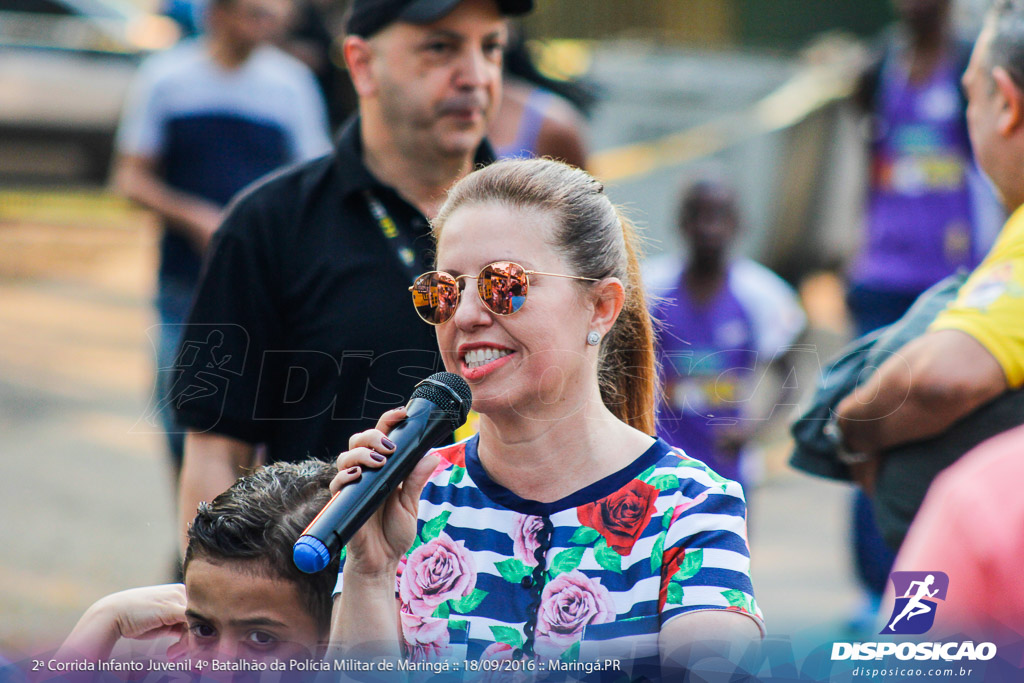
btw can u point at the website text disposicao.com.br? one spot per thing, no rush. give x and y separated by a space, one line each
947 672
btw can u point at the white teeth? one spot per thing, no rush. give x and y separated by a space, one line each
477 357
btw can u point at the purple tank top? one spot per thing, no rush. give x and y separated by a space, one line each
919 216
708 363
530 122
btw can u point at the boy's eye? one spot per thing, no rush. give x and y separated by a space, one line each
494 50
439 47
201 630
261 638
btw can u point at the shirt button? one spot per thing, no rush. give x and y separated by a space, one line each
527 582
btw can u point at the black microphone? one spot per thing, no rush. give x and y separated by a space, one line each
438 407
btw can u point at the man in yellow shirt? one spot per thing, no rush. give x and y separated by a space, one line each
974 351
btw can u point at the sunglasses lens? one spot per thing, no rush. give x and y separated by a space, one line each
503 287
435 296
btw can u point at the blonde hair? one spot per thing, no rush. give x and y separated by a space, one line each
598 242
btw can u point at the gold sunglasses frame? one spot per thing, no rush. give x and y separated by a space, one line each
458 290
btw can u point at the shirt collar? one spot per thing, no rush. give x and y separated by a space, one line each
353 172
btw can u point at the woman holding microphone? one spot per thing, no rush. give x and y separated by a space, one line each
563 533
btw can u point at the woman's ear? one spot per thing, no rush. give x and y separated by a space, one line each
609 297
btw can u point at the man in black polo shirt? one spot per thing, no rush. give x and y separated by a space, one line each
302 332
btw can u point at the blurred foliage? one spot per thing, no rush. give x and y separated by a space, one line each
775 24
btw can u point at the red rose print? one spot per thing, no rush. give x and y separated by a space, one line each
456 455
672 560
622 516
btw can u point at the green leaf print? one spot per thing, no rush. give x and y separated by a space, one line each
456 475
666 517
512 570
442 611
675 594
715 476
693 560
646 474
416 543
665 482
736 598
584 535
457 624
470 602
567 560
657 552
433 528
572 654
507 635
609 559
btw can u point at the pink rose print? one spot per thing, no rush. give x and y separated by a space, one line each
524 538
498 651
568 604
401 570
683 507
435 572
426 637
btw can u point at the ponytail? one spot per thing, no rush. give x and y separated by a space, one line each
628 373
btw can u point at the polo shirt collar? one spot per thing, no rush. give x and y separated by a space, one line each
355 177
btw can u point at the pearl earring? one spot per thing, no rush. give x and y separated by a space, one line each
593 338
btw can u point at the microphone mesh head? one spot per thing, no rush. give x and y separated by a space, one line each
450 393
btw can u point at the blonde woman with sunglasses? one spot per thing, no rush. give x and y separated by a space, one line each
563 534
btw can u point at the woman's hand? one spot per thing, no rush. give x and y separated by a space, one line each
138 613
377 547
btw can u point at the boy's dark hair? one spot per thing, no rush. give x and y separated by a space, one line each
258 520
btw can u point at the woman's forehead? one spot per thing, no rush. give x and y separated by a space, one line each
477 234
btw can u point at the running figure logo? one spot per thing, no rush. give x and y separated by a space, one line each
916 595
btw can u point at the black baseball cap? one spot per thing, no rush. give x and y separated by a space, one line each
367 17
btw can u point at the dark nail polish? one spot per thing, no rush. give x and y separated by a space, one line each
388 443
378 457
353 470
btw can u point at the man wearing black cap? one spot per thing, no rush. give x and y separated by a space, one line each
306 281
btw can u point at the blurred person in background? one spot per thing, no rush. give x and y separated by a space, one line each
201 122
927 213
310 39
307 280
242 596
974 350
307 35
724 322
539 116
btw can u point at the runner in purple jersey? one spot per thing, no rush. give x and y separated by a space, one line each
722 322
919 207
928 211
708 360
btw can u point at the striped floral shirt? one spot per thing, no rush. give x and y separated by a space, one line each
596 575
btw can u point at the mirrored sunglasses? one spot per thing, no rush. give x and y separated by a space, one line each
502 287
